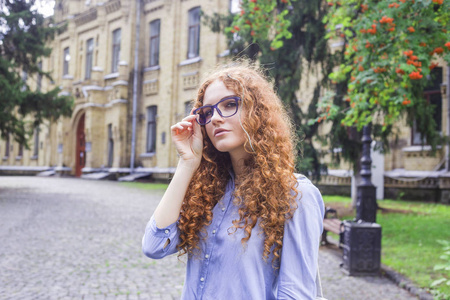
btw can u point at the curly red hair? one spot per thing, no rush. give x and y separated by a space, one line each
267 192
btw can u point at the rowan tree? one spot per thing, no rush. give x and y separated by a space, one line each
391 48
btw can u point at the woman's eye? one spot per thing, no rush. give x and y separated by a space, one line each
207 113
231 104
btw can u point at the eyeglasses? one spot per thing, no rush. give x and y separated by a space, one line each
227 107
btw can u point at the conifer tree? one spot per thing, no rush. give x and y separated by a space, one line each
24 37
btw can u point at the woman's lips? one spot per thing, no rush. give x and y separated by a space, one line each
220 132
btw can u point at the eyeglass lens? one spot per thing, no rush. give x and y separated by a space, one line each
225 108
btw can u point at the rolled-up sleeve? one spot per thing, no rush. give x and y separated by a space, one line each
160 242
299 256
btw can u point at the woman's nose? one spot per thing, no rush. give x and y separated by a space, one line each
216 117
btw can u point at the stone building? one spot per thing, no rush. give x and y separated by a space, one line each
94 61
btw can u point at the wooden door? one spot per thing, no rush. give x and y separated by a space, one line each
80 153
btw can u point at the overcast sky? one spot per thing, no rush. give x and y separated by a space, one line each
45 7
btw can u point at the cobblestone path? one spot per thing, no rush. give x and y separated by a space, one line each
67 238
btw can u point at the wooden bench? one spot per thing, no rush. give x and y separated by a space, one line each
332 223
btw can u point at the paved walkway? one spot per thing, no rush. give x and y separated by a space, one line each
66 238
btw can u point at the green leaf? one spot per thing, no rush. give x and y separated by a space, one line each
439 267
437 282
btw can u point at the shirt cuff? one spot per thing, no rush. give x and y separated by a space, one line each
161 232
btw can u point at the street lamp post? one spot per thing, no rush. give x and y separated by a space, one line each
362 236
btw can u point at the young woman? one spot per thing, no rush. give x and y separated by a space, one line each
249 225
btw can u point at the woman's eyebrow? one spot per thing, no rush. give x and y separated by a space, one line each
220 99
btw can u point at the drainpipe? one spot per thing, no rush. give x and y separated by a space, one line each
135 85
447 148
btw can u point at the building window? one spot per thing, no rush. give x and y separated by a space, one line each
115 50
89 57
39 78
151 129
188 105
20 154
7 146
194 33
154 42
433 96
110 146
66 59
36 142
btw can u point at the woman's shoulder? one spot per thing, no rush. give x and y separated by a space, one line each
308 193
303 180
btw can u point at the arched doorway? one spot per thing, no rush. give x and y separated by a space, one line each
80 151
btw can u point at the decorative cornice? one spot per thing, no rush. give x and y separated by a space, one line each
119 82
150 1
153 9
116 101
190 61
112 75
86 17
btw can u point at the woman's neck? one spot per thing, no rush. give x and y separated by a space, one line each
238 168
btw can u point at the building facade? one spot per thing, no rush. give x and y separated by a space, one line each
94 61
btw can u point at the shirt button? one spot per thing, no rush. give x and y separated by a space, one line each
223 208
202 279
214 231
166 231
207 256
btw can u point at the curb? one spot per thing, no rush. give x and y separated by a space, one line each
405 283
400 280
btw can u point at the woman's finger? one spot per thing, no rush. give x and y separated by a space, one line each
189 118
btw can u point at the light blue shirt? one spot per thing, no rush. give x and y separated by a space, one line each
226 270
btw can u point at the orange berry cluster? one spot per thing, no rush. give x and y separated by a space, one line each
386 20
322 119
415 75
437 50
406 101
433 65
379 70
412 60
364 7
399 71
390 21
440 2
396 5
372 30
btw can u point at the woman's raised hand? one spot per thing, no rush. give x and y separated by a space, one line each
188 138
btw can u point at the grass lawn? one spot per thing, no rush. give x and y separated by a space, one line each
410 231
146 186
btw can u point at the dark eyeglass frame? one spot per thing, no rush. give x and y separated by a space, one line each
215 107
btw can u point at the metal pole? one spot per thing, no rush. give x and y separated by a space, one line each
135 84
447 148
366 205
